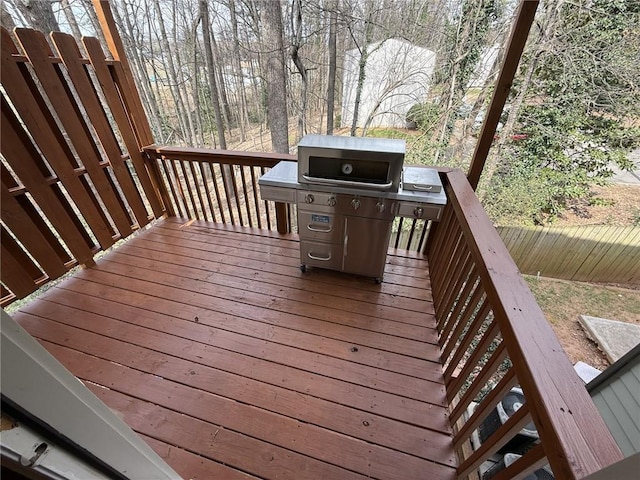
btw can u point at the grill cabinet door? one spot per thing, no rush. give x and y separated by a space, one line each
366 242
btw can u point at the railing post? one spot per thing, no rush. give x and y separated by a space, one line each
282 219
519 34
162 189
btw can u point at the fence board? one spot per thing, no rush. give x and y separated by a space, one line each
27 232
14 275
54 85
629 262
604 248
623 262
595 253
15 146
70 54
36 117
96 55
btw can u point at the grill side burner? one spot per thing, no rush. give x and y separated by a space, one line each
348 191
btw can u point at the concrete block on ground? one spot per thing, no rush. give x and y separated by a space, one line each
613 338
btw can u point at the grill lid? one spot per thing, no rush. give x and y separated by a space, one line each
369 163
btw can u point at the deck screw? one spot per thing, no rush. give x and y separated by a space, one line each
354 349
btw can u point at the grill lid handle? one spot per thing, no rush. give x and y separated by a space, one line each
347 183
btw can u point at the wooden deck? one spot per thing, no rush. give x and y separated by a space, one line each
231 363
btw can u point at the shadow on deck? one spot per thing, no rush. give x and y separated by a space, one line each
231 363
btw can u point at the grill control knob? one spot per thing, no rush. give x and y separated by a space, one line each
355 203
380 206
308 198
331 202
418 212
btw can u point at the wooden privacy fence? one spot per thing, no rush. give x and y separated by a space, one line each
74 177
595 253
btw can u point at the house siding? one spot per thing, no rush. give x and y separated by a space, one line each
617 397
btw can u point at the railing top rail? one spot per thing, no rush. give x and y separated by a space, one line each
575 438
210 155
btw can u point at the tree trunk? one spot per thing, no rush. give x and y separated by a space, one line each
243 118
95 23
196 86
547 30
71 18
222 90
362 64
331 85
274 73
140 72
6 20
296 23
39 14
167 57
362 67
184 94
213 85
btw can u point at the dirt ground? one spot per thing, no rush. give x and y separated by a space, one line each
612 204
562 302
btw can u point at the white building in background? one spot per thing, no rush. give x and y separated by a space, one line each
398 75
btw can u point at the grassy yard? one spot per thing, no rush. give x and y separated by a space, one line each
563 301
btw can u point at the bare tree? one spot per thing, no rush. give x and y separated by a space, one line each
5 18
331 81
39 14
71 19
168 59
133 39
238 75
211 75
275 75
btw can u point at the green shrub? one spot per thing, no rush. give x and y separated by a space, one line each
423 115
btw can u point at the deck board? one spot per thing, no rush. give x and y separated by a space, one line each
232 363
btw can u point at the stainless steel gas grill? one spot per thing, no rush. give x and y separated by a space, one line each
348 191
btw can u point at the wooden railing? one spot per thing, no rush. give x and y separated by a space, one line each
493 336
219 186
222 186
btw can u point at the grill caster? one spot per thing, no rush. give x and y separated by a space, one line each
303 268
378 280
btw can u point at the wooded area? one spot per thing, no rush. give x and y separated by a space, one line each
248 75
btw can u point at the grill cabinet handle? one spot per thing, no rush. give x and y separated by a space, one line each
316 229
322 259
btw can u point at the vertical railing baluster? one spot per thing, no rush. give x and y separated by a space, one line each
246 195
214 180
399 232
205 183
236 195
266 204
196 186
171 182
225 184
185 178
176 176
256 202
